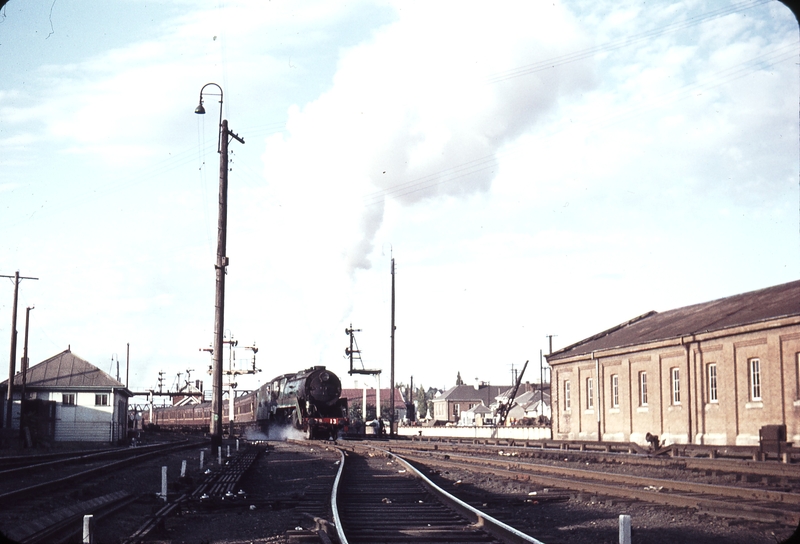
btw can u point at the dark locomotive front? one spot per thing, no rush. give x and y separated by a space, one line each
310 401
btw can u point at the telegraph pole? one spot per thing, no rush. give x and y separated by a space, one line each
24 369
13 355
391 390
215 428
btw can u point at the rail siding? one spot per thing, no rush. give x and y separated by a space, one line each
502 433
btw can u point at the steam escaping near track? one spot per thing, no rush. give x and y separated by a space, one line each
285 433
252 434
280 433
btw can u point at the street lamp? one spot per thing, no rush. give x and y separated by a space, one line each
215 427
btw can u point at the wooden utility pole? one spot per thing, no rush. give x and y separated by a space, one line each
24 370
13 355
391 390
215 427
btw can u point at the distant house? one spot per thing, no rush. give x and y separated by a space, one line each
70 400
448 406
477 416
355 397
529 405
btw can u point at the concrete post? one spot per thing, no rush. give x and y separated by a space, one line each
202 456
88 529
219 455
183 469
624 529
164 483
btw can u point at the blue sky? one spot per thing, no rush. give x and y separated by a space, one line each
534 169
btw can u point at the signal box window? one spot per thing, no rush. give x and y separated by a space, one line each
68 399
567 402
101 400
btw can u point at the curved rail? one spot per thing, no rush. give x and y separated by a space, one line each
493 526
487 523
334 500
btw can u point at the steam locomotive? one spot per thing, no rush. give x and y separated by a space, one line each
309 401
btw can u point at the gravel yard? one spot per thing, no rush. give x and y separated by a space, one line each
287 488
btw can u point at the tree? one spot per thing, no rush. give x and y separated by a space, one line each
459 381
421 402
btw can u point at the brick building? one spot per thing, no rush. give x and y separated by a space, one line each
460 398
710 373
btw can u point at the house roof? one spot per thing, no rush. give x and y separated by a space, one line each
485 393
65 370
754 307
479 409
530 397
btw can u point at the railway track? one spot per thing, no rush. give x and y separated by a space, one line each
378 497
734 500
219 489
669 457
16 482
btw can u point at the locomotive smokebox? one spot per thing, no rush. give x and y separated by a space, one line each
323 387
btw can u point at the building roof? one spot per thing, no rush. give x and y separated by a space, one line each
358 395
749 308
479 409
65 370
484 393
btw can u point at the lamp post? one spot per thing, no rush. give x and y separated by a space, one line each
215 427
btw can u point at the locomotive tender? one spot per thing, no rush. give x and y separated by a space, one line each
309 401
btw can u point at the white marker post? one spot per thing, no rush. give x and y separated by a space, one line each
88 529
183 469
202 455
164 483
624 529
